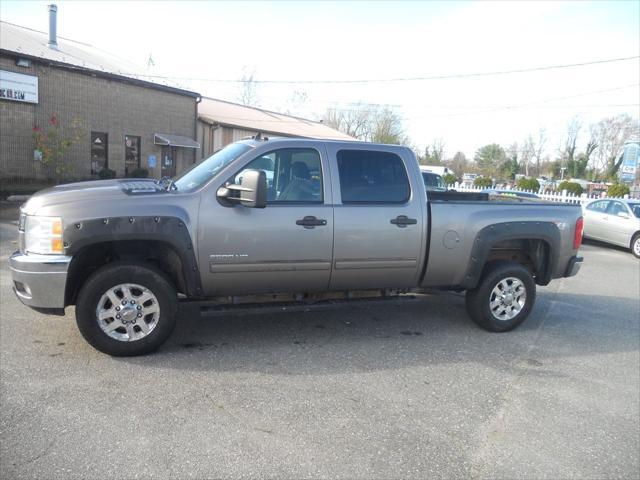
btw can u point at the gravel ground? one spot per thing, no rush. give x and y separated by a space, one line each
411 390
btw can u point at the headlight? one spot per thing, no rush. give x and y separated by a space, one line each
43 235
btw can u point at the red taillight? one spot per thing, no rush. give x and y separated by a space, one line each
577 239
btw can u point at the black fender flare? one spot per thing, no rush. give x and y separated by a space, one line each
491 235
171 230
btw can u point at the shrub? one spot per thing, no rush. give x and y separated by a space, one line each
528 184
139 173
449 178
483 182
618 190
106 174
571 187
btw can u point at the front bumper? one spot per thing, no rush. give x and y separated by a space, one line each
574 266
39 281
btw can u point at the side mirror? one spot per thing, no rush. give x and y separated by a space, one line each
251 192
623 214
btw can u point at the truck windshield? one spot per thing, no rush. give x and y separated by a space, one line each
201 173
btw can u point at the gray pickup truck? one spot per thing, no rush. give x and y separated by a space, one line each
303 218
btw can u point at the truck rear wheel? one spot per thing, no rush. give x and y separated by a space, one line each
503 299
126 309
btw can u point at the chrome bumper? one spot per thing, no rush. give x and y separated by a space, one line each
39 281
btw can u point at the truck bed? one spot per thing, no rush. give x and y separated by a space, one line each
457 220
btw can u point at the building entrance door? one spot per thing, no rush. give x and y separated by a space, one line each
169 155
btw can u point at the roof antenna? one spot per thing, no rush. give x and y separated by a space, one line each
258 136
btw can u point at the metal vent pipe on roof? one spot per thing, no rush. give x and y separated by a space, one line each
53 25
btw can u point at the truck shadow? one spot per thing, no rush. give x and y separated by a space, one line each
598 245
395 336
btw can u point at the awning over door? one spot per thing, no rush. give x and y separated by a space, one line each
171 140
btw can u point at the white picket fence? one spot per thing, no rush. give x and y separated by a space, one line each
563 196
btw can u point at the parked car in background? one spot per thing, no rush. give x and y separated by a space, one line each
438 169
468 178
432 181
615 221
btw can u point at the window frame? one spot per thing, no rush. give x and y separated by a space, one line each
374 202
322 201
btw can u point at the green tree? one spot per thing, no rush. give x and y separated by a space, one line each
571 187
529 184
449 178
577 166
618 190
511 166
483 182
490 158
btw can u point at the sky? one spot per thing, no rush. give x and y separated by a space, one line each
197 44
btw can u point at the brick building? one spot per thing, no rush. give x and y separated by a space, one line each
114 120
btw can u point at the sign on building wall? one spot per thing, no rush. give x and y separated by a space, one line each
18 87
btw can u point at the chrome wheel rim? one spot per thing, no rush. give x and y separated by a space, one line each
636 247
128 312
507 299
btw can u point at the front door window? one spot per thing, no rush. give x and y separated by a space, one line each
294 175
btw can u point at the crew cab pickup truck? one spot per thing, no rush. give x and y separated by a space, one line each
281 216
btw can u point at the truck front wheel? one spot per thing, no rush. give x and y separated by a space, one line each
503 299
126 309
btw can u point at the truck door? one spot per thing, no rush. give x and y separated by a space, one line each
285 247
379 217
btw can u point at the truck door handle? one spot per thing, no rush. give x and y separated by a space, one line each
402 221
310 222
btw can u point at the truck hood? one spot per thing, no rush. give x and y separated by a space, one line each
90 191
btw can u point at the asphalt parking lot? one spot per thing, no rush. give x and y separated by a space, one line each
412 390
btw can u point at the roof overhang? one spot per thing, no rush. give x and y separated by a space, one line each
170 140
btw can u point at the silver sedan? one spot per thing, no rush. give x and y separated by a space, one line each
615 221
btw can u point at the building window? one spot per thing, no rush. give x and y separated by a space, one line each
131 153
99 151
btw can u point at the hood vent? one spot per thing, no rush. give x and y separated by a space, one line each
137 187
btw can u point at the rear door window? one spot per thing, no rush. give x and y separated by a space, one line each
599 206
372 177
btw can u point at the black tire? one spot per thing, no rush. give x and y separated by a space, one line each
478 300
635 244
107 278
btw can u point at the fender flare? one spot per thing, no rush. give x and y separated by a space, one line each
491 235
171 230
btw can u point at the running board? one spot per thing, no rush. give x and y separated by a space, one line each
213 309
